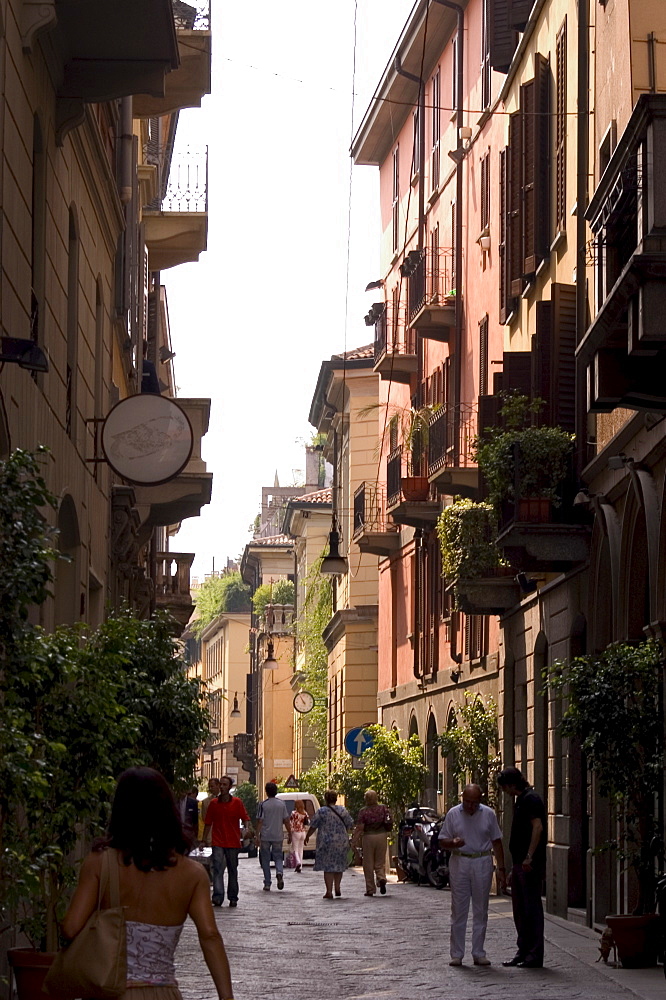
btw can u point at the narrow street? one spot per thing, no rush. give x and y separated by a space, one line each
294 943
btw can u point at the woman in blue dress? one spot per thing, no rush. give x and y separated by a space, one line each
332 824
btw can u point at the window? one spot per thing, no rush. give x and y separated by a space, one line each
435 289
485 191
561 129
396 199
608 144
452 289
475 637
486 68
436 131
483 356
38 233
454 81
72 325
416 152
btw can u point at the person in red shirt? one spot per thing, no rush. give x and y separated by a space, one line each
223 818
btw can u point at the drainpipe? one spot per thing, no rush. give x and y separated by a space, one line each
582 156
457 356
126 143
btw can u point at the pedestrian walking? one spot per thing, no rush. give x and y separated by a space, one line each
272 815
158 887
332 824
224 816
527 846
471 833
373 825
213 792
298 822
188 808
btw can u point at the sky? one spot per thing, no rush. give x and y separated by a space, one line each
253 320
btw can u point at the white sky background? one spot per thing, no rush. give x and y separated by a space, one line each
252 321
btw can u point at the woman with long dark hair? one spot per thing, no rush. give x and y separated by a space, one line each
159 887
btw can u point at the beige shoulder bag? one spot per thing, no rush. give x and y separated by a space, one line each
94 965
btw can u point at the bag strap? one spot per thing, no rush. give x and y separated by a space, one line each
336 813
109 875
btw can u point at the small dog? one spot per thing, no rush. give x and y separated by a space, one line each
607 944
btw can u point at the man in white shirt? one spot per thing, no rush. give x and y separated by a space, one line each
471 833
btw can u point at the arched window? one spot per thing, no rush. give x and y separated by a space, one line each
432 762
67 586
72 324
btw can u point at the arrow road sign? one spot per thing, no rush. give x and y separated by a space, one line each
358 740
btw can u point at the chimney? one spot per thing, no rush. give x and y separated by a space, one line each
313 468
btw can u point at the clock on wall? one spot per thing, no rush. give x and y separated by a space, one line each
304 701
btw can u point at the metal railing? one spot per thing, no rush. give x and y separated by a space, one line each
394 476
192 16
187 185
451 436
278 619
370 510
391 337
430 279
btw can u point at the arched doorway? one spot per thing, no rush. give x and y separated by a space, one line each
541 769
432 763
67 588
451 789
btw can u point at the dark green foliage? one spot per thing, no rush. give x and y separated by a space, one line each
280 592
247 793
218 594
472 746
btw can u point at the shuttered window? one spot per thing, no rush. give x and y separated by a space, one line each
434 292
503 38
514 198
396 199
553 357
483 356
534 110
485 191
519 13
451 290
476 637
561 128
505 306
486 68
416 150
436 131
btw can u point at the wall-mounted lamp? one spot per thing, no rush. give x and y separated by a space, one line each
619 461
457 155
235 711
379 283
527 586
465 132
25 353
484 243
334 563
166 354
454 675
270 663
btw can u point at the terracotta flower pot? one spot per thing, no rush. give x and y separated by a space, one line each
415 487
30 968
637 939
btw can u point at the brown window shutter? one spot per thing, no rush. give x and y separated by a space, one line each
542 146
517 372
483 356
561 129
503 38
541 355
503 230
519 13
515 193
563 298
489 408
528 115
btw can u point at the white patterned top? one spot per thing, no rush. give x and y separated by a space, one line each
150 953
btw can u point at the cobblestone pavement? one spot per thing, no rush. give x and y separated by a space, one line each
393 947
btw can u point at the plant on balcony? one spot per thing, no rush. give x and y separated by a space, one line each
218 594
519 460
280 592
613 708
466 531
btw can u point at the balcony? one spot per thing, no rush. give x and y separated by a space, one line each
373 532
431 305
451 465
101 50
395 359
185 495
409 498
172 584
185 86
278 619
176 228
488 595
624 348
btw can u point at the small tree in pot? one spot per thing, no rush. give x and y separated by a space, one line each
613 709
466 531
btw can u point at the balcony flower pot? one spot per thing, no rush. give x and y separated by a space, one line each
415 488
636 937
533 510
30 967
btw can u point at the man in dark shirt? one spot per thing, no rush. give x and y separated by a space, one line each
528 855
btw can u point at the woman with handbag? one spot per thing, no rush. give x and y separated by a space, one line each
332 824
298 821
143 863
374 824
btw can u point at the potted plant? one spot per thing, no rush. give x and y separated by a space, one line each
613 708
411 426
524 463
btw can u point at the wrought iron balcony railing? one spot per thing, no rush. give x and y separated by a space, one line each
451 437
187 185
391 337
431 279
370 510
394 475
192 16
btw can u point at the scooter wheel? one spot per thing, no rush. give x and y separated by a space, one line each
437 878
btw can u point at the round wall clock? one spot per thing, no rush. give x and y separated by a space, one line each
304 702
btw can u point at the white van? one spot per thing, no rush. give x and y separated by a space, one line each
311 803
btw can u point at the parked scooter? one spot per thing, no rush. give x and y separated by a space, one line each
418 857
436 860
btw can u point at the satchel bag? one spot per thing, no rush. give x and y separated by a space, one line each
94 965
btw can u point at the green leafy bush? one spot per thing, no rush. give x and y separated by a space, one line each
466 531
281 592
218 594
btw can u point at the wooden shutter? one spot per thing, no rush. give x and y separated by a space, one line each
553 357
534 108
483 356
528 171
489 407
504 309
515 192
561 129
503 37
519 13
517 372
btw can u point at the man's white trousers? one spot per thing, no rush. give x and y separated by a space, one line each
470 878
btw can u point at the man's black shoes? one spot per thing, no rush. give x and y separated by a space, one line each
516 960
530 963
233 902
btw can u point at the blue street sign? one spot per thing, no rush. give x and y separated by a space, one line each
357 740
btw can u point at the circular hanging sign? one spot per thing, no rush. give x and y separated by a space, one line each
147 439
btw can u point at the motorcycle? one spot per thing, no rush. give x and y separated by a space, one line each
418 853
